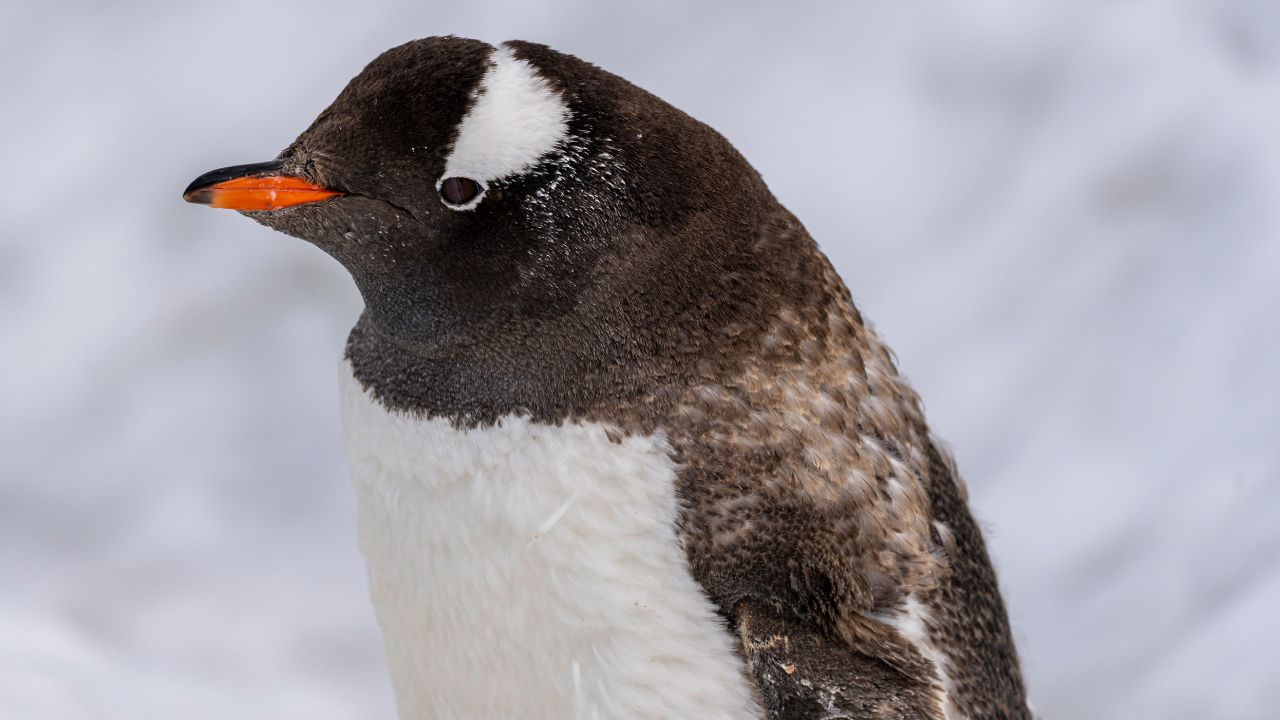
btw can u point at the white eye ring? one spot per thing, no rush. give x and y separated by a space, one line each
460 193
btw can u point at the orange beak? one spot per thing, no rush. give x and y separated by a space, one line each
260 186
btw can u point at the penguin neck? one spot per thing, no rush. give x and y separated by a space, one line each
474 381
624 347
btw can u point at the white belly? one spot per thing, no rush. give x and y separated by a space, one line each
532 571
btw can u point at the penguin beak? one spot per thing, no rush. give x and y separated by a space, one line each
260 186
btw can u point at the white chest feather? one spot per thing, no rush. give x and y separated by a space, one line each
532 571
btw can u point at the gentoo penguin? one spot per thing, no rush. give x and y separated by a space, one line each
623 445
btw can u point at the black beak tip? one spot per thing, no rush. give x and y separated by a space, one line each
198 195
199 190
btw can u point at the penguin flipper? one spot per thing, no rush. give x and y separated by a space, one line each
804 675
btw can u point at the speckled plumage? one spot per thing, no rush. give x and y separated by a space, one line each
641 278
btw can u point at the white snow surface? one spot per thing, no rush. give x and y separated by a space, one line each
1064 216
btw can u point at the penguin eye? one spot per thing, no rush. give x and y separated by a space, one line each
459 191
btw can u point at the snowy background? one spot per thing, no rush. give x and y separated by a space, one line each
1065 217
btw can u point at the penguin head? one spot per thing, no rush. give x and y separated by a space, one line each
519 198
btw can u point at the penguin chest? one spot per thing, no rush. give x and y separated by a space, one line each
523 570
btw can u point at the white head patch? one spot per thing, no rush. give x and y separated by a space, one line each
516 119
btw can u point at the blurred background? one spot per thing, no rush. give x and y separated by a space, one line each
1064 216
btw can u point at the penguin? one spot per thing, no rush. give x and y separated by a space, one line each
623 445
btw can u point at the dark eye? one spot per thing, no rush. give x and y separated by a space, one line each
459 190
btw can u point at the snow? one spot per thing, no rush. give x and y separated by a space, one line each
1065 217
